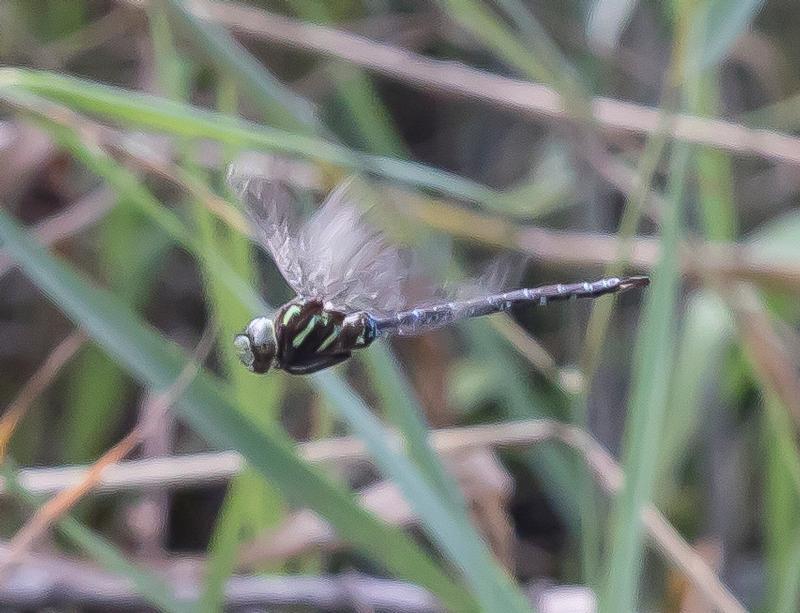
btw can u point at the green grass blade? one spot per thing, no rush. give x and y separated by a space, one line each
130 250
653 359
788 596
714 169
490 585
479 20
208 407
781 506
708 330
275 101
364 111
722 23
400 403
135 109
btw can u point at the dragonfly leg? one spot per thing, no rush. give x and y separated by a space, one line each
322 362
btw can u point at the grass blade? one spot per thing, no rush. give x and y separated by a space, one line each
208 407
135 109
722 22
781 505
399 401
653 359
275 101
492 588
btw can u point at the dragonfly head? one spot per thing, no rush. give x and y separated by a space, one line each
257 346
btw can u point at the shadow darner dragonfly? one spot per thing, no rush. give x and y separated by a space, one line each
354 286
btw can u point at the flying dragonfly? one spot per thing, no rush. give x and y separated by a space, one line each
354 286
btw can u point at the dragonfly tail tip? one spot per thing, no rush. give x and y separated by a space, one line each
633 282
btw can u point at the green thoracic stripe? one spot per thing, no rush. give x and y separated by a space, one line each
291 312
329 339
299 338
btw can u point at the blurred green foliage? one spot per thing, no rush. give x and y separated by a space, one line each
701 373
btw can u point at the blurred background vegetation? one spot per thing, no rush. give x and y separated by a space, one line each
593 137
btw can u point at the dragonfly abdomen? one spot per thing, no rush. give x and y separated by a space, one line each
430 318
408 322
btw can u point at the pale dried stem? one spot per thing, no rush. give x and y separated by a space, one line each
197 469
457 79
48 582
722 261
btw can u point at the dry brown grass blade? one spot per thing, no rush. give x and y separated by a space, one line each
570 381
35 385
46 515
766 349
720 261
454 78
205 468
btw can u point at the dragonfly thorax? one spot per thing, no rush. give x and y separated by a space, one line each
305 335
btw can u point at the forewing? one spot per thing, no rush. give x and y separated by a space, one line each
268 206
337 255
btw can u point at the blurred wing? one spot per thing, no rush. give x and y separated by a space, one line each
268 206
503 273
337 255
352 264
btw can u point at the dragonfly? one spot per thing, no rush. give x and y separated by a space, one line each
354 286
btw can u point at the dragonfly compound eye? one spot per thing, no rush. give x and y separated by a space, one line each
244 350
256 347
